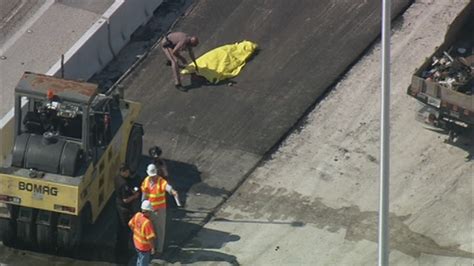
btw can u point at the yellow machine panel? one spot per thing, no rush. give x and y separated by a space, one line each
40 194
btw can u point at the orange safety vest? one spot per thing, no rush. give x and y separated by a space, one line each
142 232
156 192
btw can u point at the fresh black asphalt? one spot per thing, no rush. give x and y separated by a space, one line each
213 136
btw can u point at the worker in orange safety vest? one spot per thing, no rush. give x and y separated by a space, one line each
143 233
153 189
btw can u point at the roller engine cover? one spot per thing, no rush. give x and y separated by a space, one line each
46 153
18 156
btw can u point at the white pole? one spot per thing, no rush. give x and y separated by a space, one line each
383 237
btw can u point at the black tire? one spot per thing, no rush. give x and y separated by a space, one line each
46 226
69 232
134 148
26 227
8 226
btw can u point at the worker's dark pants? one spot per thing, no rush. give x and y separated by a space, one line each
124 234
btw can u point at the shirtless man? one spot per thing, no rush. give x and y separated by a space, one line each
172 44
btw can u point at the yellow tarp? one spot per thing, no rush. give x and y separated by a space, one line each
222 62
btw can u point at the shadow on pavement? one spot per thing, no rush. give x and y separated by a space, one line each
465 141
196 251
189 256
462 138
182 176
197 82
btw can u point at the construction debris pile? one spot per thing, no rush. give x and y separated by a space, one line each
453 69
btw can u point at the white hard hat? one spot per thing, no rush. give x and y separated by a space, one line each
146 206
151 170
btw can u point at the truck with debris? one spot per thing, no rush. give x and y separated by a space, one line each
444 84
69 142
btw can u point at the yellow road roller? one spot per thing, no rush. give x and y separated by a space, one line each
69 141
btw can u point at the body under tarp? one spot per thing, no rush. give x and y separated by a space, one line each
223 62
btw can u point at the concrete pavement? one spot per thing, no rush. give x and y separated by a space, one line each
315 201
37 33
13 14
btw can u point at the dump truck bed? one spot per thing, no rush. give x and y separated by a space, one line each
450 103
445 81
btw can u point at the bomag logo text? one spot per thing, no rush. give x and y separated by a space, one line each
41 189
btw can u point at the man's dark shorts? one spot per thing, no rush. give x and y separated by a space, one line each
166 43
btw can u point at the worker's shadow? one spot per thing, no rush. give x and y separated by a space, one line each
182 176
196 251
197 81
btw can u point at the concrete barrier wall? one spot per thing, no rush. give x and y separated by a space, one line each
98 46
6 137
87 56
91 53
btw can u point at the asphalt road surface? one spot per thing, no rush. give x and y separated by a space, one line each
214 136
315 201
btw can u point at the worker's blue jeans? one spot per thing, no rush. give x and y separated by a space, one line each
143 258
